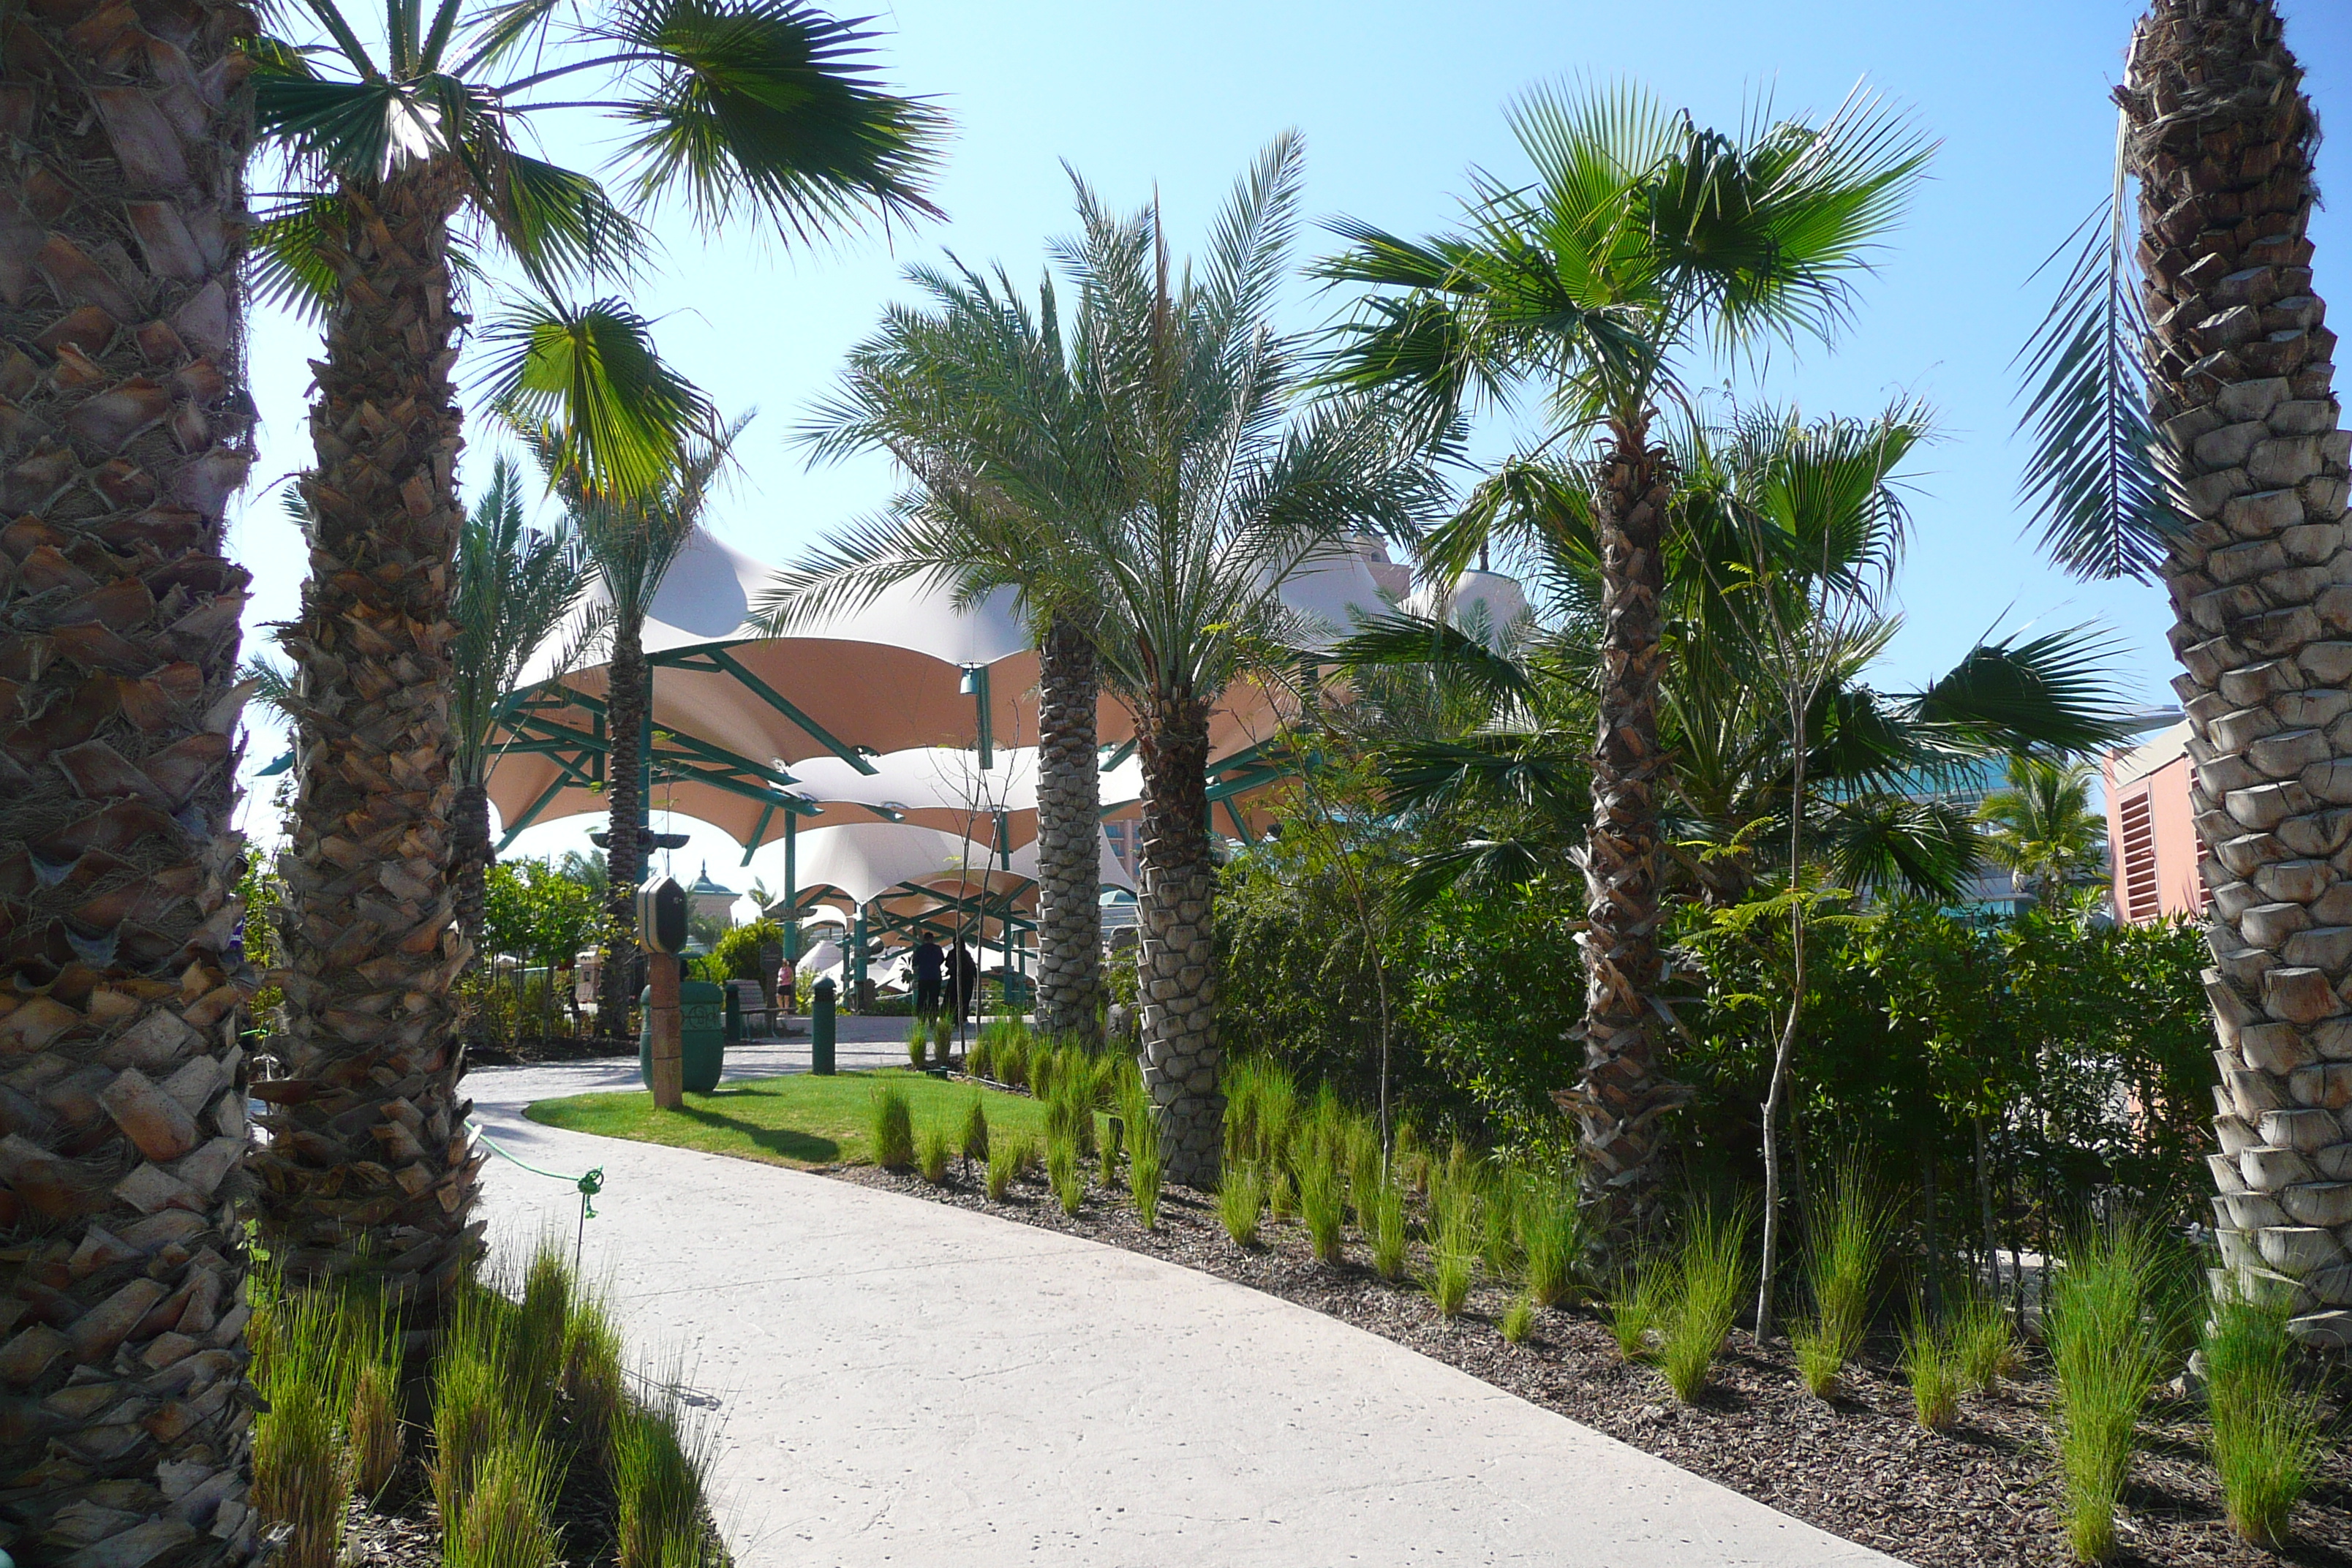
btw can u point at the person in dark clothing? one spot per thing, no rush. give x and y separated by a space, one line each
930 960
967 980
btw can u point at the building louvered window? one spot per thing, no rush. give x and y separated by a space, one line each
2138 886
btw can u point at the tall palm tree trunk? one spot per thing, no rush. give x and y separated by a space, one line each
128 428
2222 139
369 1167
469 858
1623 1093
1069 835
1176 961
624 844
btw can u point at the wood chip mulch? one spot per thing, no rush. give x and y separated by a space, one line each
1982 1492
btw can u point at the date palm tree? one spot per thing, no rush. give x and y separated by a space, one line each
1146 467
998 424
513 586
2186 430
2041 830
758 107
121 993
627 542
1641 242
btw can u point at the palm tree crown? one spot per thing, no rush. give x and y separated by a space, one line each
2042 828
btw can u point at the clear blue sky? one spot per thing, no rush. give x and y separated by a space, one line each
1394 101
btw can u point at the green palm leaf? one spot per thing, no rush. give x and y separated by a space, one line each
589 380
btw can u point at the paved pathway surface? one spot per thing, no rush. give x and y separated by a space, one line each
901 1382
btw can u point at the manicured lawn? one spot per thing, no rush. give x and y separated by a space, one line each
801 1119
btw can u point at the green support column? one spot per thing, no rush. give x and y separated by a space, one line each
857 952
793 888
1004 862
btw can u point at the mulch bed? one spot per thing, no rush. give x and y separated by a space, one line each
1983 1492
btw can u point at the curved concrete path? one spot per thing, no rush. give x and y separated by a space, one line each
906 1382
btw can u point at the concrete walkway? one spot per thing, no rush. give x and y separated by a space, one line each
905 1383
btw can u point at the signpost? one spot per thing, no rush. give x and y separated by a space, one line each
661 931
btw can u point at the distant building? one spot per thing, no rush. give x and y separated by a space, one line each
711 900
2151 831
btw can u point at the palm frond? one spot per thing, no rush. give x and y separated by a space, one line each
2054 693
1886 843
2095 479
589 379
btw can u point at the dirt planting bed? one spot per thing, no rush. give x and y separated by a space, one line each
1981 1492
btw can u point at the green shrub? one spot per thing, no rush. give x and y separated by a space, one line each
662 1458
975 1131
1711 1280
1551 1237
1518 1320
2104 1320
299 1477
2267 1438
505 1524
1931 1364
1241 1199
1847 1227
932 1151
892 1128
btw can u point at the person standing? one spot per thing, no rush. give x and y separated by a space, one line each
929 960
967 980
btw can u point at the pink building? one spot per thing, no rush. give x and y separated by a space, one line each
2151 834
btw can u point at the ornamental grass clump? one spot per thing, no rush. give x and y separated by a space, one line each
974 1141
2105 1321
1637 1311
1453 1246
1984 1341
892 1128
595 1381
535 1345
374 1434
1518 1320
1241 1199
1065 1174
1366 1170
1847 1228
1551 1237
1011 1059
2267 1437
661 1460
505 1523
933 1149
1388 1231
300 1477
1931 1364
1144 1168
1322 1198
918 1041
1009 1159
472 1407
1711 1278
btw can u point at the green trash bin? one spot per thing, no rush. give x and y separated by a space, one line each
702 1034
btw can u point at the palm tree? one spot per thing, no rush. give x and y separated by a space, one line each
1146 460
2041 828
512 589
1641 240
629 540
732 105
997 425
121 997
2198 441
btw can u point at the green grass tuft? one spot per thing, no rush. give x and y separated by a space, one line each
505 1524
1009 1159
1322 1198
1847 1229
1551 1237
1984 1341
299 1475
2105 1322
662 1458
1389 1231
1711 1279
1518 1320
2267 1438
891 1136
1454 1246
933 1149
1931 1364
974 1140
1241 1199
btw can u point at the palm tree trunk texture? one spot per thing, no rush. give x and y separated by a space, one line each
2222 139
126 430
469 857
1176 966
369 1167
1069 837
1623 1094
624 844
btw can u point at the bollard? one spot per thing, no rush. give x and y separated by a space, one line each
821 1031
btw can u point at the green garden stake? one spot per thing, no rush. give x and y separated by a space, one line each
821 1031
